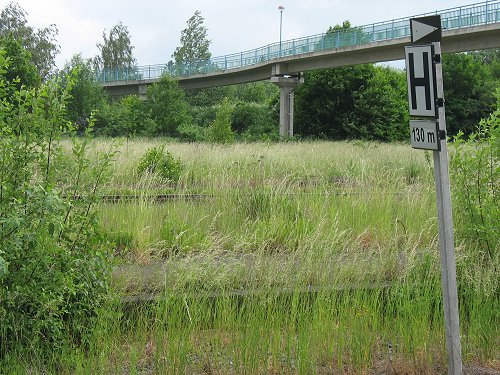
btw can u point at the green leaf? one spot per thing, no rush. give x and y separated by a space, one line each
4 267
51 229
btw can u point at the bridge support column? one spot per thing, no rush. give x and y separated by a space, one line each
142 91
287 85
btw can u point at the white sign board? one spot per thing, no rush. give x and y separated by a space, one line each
421 75
426 29
424 134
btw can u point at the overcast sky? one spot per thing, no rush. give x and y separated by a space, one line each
233 26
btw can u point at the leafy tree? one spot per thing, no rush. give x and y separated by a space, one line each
125 117
20 67
168 107
254 92
137 115
469 92
381 108
87 96
349 102
208 96
203 116
194 42
116 50
334 103
356 102
254 122
341 35
41 43
325 102
491 59
360 101
185 59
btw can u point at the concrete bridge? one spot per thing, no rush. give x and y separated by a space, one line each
466 28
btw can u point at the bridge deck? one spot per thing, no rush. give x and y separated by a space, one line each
382 39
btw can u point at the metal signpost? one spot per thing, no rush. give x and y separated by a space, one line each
426 100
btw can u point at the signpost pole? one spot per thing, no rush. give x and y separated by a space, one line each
426 99
446 240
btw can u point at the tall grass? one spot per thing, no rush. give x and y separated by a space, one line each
395 329
307 258
278 194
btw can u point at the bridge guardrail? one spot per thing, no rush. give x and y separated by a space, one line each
486 12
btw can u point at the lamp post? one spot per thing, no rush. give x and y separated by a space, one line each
281 8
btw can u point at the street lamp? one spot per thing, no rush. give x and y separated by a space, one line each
281 8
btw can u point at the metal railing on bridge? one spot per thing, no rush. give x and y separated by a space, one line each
454 18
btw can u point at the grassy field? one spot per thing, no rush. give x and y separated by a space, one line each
279 197
307 258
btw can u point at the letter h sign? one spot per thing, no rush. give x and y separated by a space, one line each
421 74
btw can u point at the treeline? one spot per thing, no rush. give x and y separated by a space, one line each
366 102
249 112
357 102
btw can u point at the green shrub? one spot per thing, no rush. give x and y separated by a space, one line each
54 269
125 117
111 120
220 130
203 116
255 122
191 133
87 96
475 174
157 160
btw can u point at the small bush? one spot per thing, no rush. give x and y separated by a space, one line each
255 122
125 117
157 160
220 130
191 133
203 116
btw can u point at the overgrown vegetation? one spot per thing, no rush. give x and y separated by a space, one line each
219 130
157 160
360 102
355 102
115 50
54 266
469 83
476 175
298 257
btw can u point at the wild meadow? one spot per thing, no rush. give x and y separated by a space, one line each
280 258
202 253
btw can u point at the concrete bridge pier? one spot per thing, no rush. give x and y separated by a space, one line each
287 85
142 91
